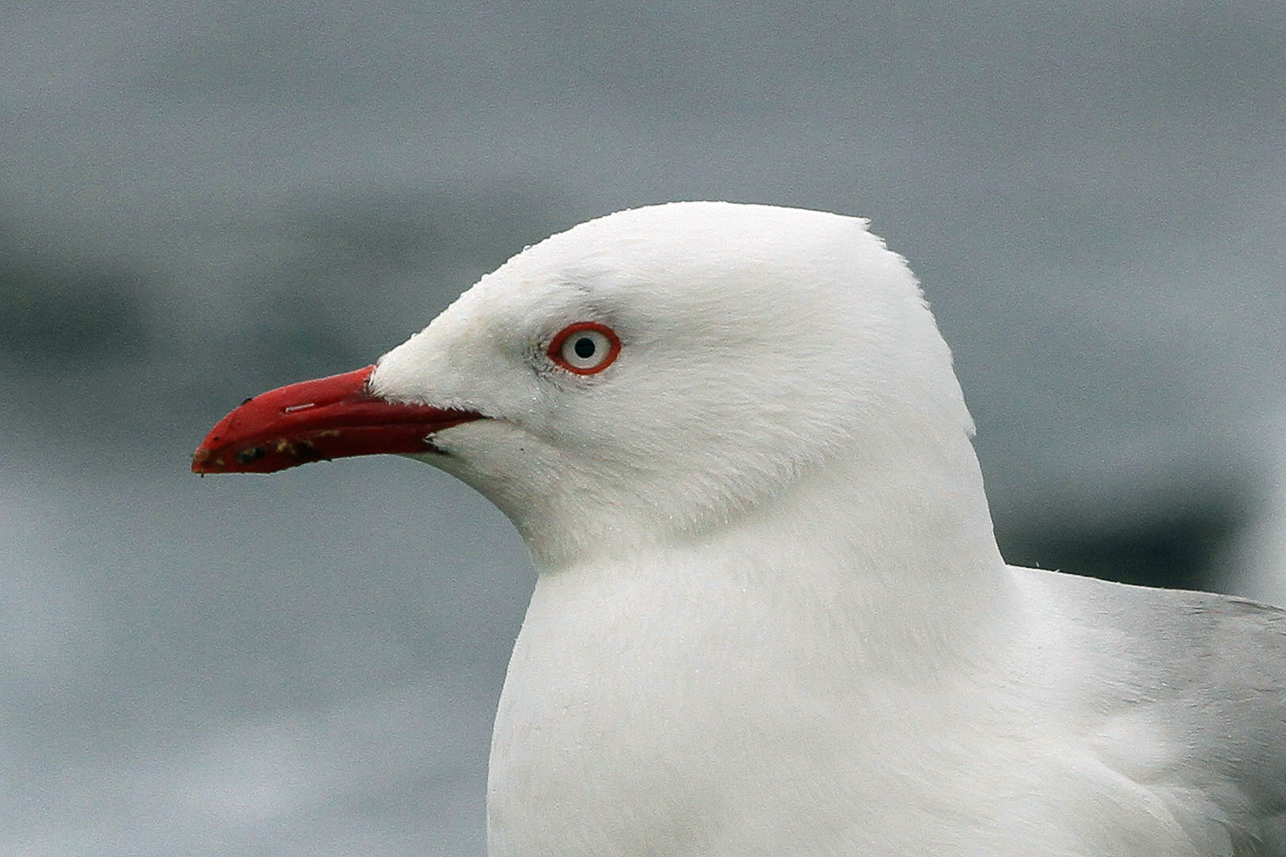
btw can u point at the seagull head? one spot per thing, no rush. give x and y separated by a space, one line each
656 374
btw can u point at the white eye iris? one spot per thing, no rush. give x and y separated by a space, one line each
585 348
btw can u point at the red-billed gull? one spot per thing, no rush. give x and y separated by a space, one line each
771 617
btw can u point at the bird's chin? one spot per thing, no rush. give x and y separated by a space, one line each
432 452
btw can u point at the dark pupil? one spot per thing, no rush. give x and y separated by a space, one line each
584 347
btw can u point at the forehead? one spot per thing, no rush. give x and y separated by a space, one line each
671 267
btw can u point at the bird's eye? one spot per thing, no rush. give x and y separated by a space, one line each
585 348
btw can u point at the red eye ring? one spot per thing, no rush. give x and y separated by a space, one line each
585 348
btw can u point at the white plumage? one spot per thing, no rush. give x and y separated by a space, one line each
771 617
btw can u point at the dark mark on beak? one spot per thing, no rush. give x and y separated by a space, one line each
253 453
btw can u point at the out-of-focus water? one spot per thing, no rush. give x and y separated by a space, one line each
299 666
199 202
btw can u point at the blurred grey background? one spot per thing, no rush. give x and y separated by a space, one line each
202 200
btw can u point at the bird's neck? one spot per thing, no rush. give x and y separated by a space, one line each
892 566
651 690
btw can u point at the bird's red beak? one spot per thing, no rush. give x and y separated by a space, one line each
318 420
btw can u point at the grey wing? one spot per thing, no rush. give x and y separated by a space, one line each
1229 686
1212 669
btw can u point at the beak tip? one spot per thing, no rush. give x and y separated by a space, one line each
201 461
